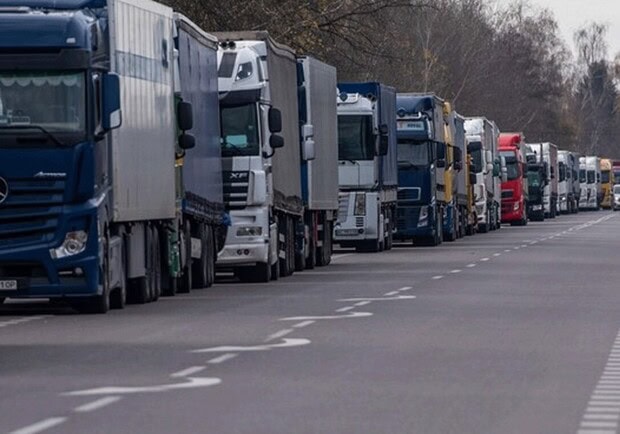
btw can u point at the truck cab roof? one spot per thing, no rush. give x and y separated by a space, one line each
31 28
54 4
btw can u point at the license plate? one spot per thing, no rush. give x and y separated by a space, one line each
8 285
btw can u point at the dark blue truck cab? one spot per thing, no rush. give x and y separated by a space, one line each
419 126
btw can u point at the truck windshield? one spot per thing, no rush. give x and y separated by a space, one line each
240 128
591 177
562 172
606 176
512 165
476 156
582 175
355 138
533 179
53 101
616 189
413 152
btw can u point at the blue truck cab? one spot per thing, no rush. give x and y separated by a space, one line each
420 130
57 103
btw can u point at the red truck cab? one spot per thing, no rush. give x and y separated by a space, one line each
515 190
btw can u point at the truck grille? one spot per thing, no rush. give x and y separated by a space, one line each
30 213
343 206
407 218
507 194
409 195
236 185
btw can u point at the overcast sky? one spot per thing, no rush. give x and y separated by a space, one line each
571 14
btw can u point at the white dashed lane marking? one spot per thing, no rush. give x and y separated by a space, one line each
278 335
221 359
40 426
603 411
189 371
98 404
303 324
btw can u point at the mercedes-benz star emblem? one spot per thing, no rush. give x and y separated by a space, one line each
4 190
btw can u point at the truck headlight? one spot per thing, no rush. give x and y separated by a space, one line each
360 204
249 231
74 244
423 219
516 206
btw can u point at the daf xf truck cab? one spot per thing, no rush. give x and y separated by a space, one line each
260 139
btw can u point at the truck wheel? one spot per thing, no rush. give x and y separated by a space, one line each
156 269
312 253
184 281
212 257
324 253
199 267
275 270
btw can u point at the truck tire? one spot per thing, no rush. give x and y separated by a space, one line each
286 267
324 253
140 291
156 265
200 266
389 238
275 270
184 281
212 258
98 304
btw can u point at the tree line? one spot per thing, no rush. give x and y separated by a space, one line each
509 64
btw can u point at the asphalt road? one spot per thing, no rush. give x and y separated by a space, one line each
509 332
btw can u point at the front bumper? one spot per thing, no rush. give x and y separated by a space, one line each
244 254
511 212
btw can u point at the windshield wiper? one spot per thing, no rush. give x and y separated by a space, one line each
35 127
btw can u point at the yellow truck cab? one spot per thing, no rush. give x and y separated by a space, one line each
607 184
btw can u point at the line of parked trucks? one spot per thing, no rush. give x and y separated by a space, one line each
140 155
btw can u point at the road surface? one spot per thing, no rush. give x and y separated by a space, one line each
510 332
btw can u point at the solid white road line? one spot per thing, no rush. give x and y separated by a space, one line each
221 359
96 405
41 426
189 371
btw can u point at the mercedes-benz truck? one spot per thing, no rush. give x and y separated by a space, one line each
91 117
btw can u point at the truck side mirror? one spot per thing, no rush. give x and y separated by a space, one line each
472 178
496 169
275 120
458 166
384 145
489 167
441 163
187 141
185 116
308 150
112 117
276 141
